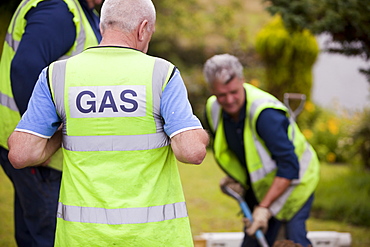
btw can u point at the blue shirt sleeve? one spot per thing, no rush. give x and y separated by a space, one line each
176 109
272 127
49 34
40 118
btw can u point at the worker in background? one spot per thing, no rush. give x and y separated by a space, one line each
39 33
123 117
262 151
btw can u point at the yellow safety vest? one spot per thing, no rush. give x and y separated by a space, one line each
262 168
9 113
120 185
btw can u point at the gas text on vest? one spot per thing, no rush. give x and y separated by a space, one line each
107 101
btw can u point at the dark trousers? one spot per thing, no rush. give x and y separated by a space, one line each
36 192
295 229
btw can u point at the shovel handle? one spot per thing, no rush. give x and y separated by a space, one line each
247 213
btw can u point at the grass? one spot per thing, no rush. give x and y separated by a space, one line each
344 193
209 209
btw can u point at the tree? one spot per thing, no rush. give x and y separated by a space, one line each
346 20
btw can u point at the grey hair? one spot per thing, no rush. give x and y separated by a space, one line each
127 14
222 68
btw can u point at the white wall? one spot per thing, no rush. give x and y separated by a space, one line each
337 80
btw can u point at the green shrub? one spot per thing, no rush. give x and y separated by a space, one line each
362 138
288 57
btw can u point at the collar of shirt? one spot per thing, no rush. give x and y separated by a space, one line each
227 117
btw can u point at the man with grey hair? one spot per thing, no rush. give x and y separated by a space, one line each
122 118
261 149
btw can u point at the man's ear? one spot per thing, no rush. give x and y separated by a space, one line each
142 29
100 28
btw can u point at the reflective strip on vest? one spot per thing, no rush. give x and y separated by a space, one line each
160 69
6 101
58 81
115 143
112 142
81 37
11 42
215 114
8 37
268 163
122 215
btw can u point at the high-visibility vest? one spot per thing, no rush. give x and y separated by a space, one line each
262 168
120 184
9 113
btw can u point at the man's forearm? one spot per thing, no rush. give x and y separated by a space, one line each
30 150
190 146
278 187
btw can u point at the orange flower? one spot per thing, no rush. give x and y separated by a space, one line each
333 126
309 106
255 82
331 157
307 133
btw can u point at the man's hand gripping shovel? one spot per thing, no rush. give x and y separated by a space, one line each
246 211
